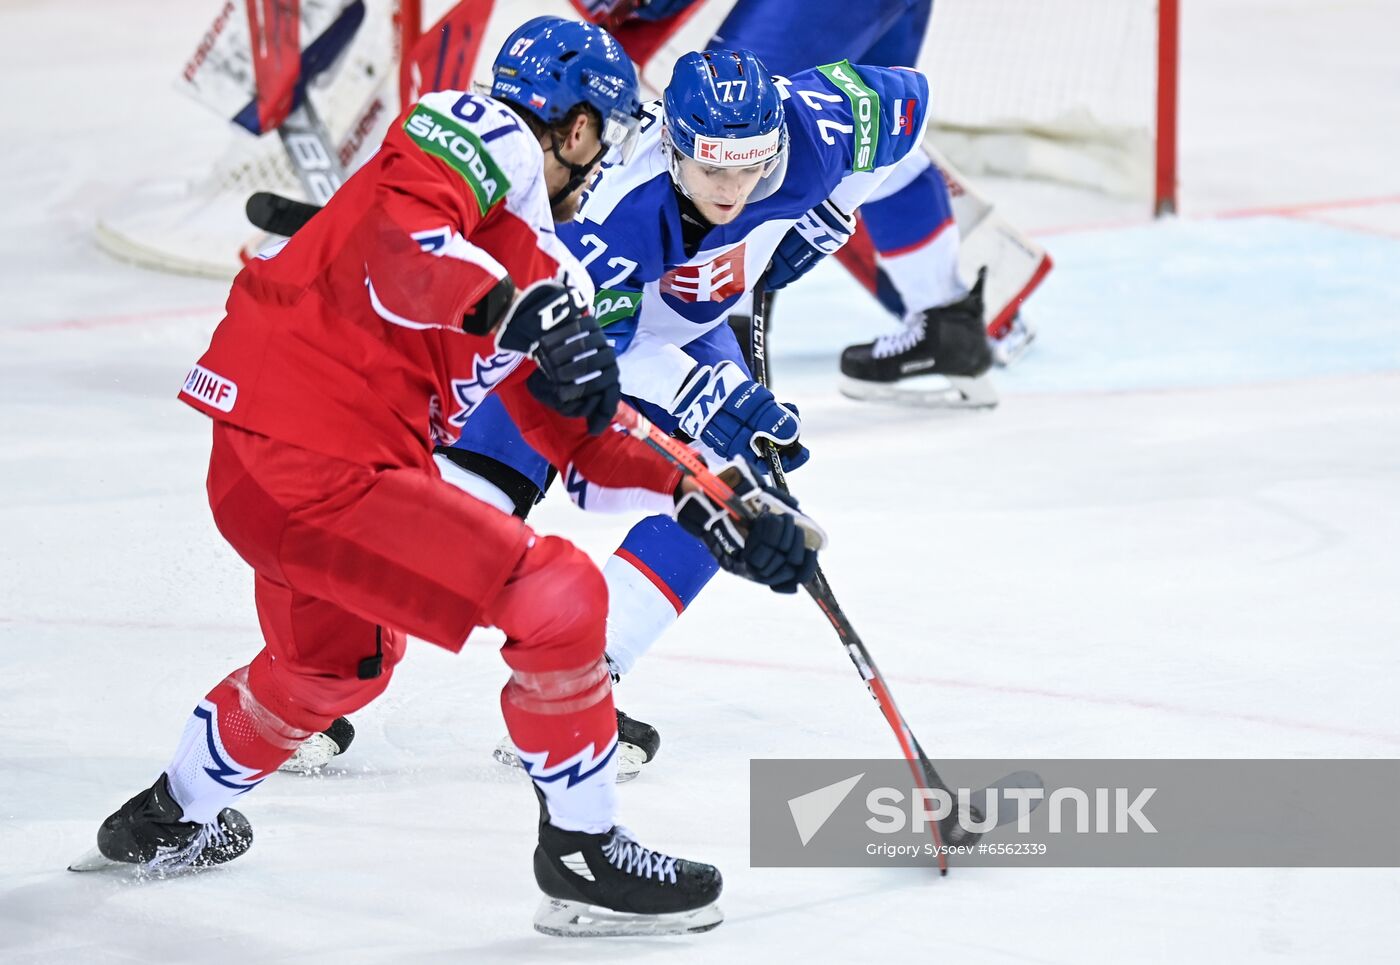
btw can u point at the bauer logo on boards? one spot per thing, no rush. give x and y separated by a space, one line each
211 389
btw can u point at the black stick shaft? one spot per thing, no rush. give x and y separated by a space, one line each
820 590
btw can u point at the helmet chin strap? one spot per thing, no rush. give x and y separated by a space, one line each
578 173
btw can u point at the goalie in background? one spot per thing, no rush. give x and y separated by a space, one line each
910 220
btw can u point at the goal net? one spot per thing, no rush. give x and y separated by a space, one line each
1076 91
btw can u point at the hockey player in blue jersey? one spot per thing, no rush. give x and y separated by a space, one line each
912 228
734 171
912 223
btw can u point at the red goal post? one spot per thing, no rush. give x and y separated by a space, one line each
1076 91
1112 64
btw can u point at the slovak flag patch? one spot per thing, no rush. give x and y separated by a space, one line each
904 116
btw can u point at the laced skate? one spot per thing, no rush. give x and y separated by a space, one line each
149 834
608 884
949 342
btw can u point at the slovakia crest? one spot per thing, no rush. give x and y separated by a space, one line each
714 281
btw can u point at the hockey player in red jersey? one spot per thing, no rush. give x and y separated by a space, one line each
432 278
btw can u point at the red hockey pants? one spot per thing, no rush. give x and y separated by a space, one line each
351 558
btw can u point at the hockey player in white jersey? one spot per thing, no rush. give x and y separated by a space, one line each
911 245
735 171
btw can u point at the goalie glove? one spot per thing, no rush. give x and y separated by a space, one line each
818 233
577 373
735 416
777 546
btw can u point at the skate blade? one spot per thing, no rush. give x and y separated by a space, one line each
576 919
950 392
630 758
95 860
313 754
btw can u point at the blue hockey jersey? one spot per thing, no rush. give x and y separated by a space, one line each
848 126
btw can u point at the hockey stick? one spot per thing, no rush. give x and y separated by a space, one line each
692 467
926 776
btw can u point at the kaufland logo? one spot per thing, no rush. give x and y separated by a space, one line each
750 156
737 151
714 281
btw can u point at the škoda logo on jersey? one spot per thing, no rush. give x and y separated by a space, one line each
443 137
865 111
714 281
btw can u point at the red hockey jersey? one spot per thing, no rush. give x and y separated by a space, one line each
347 339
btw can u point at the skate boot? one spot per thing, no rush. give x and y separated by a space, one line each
949 341
637 744
317 750
608 884
150 832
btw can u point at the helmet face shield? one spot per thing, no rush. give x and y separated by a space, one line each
619 136
729 171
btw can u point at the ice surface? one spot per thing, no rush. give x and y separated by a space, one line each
1176 537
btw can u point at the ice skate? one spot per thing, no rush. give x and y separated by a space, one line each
600 885
317 750
637 744
149 834
939 360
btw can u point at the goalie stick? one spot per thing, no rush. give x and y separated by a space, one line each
926 776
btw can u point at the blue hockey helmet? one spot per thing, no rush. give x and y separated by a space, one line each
549 64
724 134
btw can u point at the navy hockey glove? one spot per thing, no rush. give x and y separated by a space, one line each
772 548
734 416
817 234
577 367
